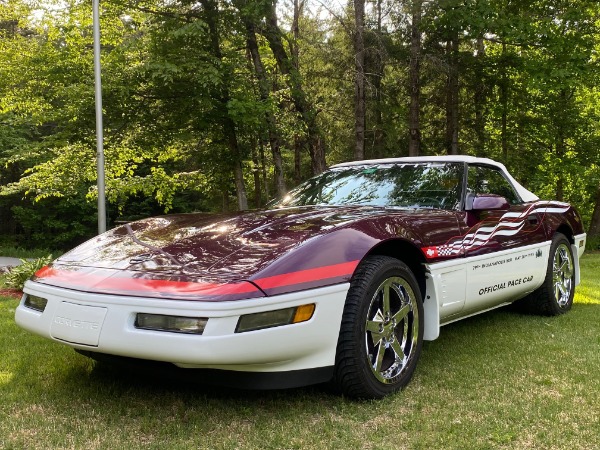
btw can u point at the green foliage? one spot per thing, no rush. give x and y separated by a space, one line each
18 275
55 223
8 249
528 75
593 244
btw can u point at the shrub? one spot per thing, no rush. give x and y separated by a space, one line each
17 276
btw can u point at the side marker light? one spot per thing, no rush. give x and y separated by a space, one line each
276 318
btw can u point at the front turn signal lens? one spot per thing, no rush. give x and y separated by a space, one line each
174 324
35 302
276 318
304 313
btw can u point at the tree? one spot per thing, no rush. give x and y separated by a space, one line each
295 51
359 79
197 93
273 35
263 87
594 230
212 20
414 123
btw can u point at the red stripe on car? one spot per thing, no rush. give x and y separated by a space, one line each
307 275
112 283
98 282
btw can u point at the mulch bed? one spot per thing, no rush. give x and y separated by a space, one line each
12 293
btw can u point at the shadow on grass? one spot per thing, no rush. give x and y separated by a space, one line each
478 337
164 378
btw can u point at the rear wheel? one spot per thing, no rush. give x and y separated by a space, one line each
555 295
382 329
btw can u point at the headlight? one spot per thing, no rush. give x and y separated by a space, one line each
276 318
175 324
35 302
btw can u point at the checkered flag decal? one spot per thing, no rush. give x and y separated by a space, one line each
448 250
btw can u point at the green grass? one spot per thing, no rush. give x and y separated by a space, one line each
499 380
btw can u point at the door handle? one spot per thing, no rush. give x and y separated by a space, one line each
533 219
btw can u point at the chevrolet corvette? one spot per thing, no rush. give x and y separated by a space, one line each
340 281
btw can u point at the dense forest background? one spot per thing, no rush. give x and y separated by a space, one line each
216 105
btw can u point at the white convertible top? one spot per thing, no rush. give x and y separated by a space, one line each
525 194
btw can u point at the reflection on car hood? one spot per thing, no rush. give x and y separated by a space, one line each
245 255
194 244
203 256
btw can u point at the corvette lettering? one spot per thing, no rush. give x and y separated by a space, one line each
82 324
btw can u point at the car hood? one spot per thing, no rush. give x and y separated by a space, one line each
218 256
199 244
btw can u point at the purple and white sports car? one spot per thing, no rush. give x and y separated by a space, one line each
341 280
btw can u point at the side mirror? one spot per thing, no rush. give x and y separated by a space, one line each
486 202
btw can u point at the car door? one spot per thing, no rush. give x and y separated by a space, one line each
503 242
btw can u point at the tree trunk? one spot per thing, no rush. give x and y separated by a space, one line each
240 186
210 7
225 206
452 96
560 154
294 47
504 103
295 50
297 159
594 231
256 175
263 166
561 144
273 35
414 117
359 80
379 57
263 86
454 85
479 100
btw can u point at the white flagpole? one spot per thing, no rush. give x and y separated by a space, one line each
99 128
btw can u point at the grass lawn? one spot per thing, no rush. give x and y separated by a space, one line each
499 380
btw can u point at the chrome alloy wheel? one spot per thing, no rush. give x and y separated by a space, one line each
562 275
391 329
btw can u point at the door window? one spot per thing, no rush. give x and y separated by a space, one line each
488 180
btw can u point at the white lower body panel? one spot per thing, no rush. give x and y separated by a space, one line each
105 324
464 287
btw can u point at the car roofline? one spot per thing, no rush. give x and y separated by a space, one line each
525 194
421 159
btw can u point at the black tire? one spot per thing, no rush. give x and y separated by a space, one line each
555 295
381 335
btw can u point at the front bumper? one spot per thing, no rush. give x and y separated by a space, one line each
105 324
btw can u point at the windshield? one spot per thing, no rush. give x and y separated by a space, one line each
431 185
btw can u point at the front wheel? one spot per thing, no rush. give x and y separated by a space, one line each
381 333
